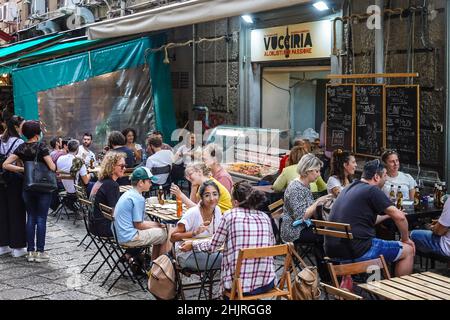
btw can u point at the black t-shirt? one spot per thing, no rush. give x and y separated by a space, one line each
129 161
108 194
358 204
27 151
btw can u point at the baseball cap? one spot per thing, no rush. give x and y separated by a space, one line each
142 173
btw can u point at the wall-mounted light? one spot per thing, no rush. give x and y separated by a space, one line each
247 18
321 6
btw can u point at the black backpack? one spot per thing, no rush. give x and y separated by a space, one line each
3 158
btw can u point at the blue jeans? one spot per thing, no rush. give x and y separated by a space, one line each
37 205
426 241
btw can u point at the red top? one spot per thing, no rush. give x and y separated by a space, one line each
283 161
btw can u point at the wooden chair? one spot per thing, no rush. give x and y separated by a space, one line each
338 294
276 210
236 292
350 269
332 229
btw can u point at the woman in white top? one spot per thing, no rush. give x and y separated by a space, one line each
397 178
130 136
199 222
343 166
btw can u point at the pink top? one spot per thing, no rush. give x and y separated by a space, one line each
224 178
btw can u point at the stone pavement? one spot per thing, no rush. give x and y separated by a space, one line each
60 278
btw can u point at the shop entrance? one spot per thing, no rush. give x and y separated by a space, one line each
293 98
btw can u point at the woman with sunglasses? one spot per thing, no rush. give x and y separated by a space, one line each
397 178
106 191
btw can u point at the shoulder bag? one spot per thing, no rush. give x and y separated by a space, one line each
38 177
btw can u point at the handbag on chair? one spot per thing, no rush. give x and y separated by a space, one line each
38 177
306 281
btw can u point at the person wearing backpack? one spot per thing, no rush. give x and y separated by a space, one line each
37 203
12 208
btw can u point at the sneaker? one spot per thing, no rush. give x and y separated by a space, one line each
5 250
42 257
16 253
31 256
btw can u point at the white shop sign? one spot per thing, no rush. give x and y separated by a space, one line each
299 41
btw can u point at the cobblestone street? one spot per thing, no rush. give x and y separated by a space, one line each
60 278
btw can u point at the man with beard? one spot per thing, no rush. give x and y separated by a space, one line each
84 151
362 204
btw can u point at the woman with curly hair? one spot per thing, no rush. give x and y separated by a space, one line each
343 166
130 136
106 191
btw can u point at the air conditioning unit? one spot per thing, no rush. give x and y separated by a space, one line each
38 7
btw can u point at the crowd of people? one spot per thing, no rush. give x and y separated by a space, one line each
222 217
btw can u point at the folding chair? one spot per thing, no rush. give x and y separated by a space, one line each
362 267
206 281
68 201
85 207
99 242
338 294
118 254
236 292
166 186
276 210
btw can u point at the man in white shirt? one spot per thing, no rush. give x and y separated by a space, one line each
84 152
160 158
64 164
436 240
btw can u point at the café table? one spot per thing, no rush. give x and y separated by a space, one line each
166 213
417 286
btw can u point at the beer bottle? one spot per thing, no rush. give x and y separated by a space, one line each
91 163
438 198
179 207
443 193
399 198
161 195
417 199
392 196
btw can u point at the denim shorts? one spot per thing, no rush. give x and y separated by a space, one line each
391 250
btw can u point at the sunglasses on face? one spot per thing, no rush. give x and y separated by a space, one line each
122 166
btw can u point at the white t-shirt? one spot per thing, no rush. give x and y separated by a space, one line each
86 155
161 158
333 182
64 164
192 219
444 220
4 146
184 155
404 180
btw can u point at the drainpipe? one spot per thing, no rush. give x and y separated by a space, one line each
379 43
194 56
123 6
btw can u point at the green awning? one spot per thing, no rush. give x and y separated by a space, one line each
17 48
61 48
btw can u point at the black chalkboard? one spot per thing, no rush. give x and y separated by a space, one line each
369 122
339 115
402 122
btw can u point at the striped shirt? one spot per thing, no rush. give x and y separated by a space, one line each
242 228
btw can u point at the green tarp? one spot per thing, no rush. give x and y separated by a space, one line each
29 81
16 48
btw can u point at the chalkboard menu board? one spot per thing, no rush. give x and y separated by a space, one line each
339 111
402 121
369 120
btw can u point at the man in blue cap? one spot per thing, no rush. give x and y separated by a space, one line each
131 228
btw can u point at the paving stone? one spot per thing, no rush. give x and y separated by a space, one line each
4 286
47 288
17 294
71 295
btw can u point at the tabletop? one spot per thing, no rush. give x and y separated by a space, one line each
163 213
418 286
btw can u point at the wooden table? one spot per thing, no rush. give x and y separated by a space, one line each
162 214
418 286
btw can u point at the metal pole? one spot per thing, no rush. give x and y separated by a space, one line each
193 65
447 87
379 42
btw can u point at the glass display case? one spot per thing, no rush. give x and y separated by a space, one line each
250 153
